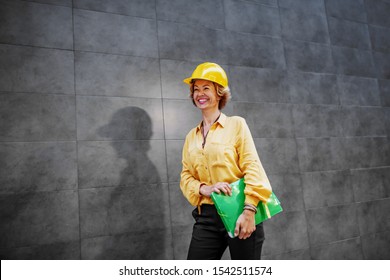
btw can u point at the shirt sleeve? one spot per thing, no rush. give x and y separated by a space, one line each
189 185
257 184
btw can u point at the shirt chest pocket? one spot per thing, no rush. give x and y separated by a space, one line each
223 154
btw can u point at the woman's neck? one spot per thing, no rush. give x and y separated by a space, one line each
209 117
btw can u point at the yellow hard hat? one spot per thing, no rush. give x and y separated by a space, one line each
209 71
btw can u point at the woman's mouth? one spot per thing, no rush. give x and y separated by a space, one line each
202 100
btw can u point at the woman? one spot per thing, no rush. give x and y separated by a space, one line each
219 151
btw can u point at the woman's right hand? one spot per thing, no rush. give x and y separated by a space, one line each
218 188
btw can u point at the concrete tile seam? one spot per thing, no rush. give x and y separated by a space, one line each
38 192
218 29
36 93
41 141
258 4
343 137
337 241
32 46
113 13
352 204
45 4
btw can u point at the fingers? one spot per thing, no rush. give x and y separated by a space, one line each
244 228
237 229
216 190
224 187
242 232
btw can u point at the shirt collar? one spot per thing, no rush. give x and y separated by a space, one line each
221 120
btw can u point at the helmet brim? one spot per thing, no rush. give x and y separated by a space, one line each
188 80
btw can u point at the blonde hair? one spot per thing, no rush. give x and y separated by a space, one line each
222 92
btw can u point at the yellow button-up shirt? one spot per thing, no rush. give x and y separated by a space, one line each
228 155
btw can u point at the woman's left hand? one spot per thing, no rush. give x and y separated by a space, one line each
245 224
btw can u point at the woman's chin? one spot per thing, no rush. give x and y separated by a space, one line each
201 106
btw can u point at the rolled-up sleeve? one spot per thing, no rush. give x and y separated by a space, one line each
257 187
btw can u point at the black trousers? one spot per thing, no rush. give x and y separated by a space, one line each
210 239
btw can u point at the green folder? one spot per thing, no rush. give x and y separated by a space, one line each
231 207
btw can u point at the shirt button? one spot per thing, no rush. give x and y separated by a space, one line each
206 167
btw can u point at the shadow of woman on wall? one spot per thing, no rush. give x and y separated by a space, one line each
136 210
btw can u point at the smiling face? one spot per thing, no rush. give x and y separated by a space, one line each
205 95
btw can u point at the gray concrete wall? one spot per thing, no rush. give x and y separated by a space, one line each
93 115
